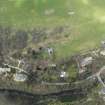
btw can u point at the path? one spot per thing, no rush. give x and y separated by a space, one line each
98 76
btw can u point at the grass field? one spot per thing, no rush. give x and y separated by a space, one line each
86 17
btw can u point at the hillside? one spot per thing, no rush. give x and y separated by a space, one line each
29 29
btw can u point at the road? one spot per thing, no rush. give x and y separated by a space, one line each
98 76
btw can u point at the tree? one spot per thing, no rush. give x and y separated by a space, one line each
20 40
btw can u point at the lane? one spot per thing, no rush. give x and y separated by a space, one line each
97 75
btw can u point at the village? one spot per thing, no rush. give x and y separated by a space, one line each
39 67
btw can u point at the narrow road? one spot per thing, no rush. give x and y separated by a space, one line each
55 84
17 68
98 76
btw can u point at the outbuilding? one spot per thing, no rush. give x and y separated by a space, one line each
20 77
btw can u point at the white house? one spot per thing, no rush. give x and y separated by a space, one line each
50 51
19 77
4 70
63 74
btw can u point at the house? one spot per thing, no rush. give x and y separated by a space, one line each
84 64
50 51
102 53
52 65
4 70
86 61
20 77
63 74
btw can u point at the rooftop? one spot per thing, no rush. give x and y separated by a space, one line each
86 61
20 77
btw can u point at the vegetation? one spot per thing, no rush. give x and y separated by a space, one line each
68 26
87 20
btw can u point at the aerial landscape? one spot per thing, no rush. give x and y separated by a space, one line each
52 52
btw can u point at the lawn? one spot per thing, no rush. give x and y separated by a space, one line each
86 19
31 13
88 28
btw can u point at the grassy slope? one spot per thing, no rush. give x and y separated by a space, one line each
30 13
87 23
89 28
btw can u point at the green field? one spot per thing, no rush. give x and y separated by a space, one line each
86 18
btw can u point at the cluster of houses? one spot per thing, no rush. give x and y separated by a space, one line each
87 63
92 61
6 72
18 74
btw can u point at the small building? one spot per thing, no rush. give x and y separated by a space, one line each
50 51
102 52
86 61
52 65
20 77
63 74
4 70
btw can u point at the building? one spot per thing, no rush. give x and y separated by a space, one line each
4 70
20 77
50 51
86 61
63 74
102 52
